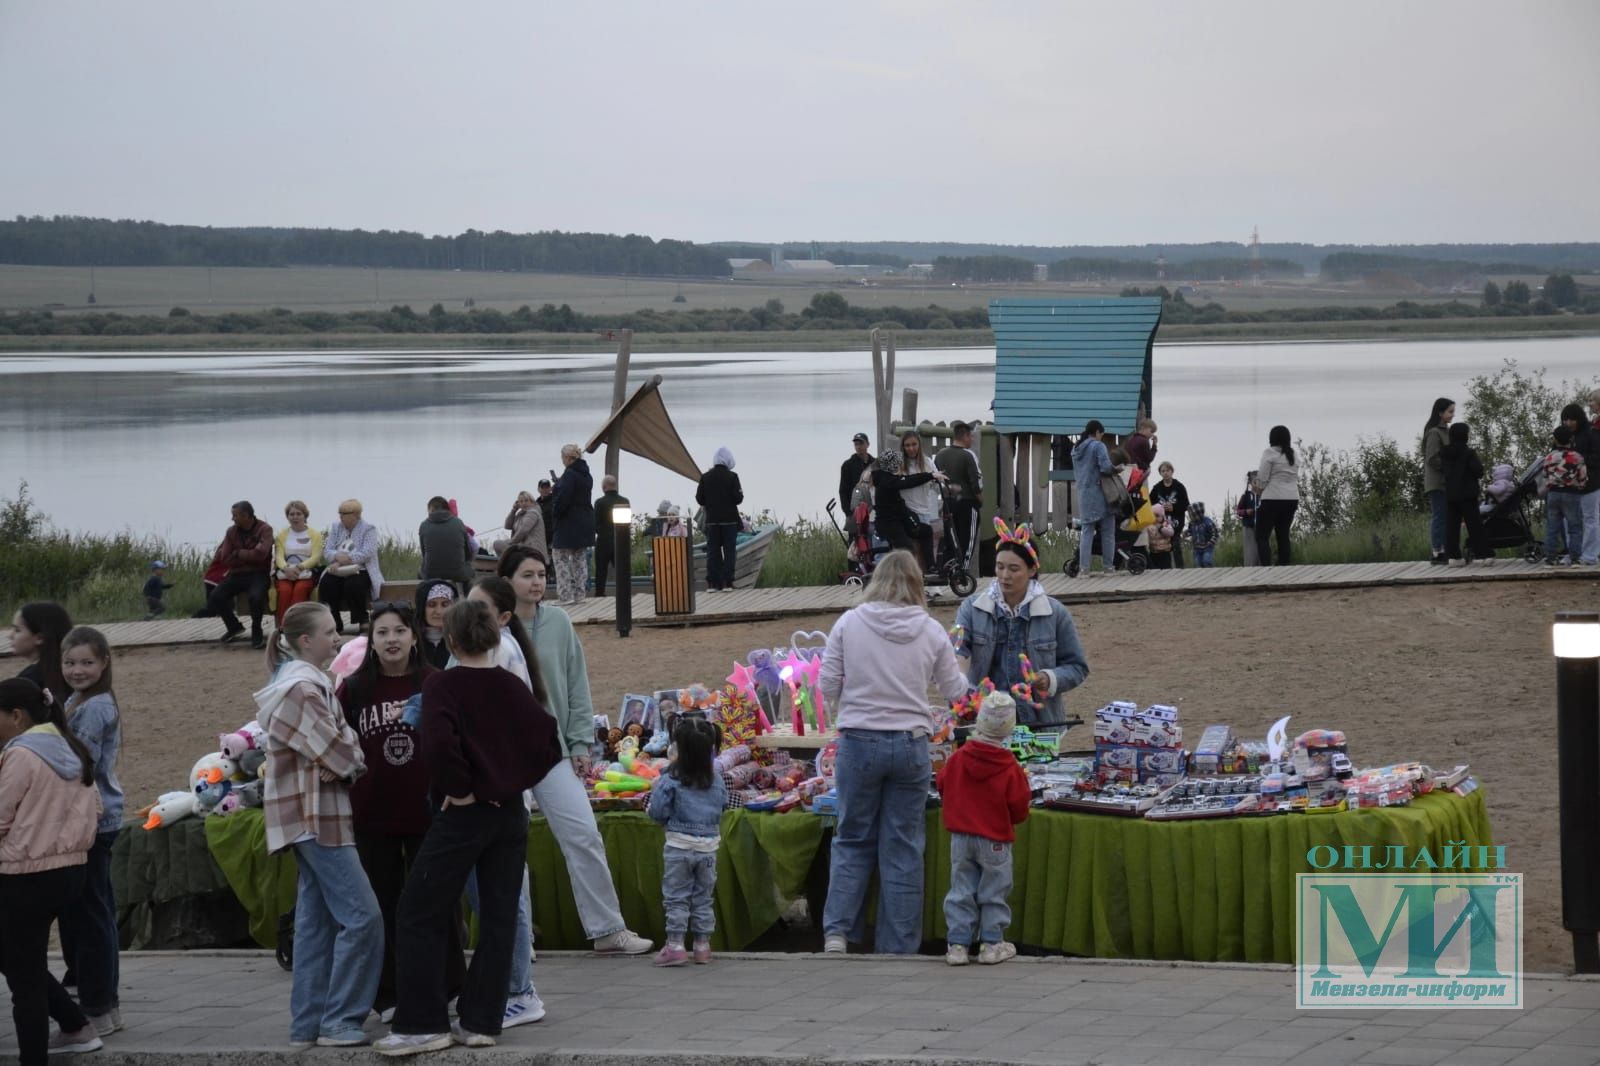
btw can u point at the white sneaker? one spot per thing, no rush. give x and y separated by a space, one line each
355 1039
398 1044
956 955
107 1023
622 942
467 1038
991 954
386 1015
523 1010
75 1043
834 945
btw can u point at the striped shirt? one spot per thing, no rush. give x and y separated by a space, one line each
304 735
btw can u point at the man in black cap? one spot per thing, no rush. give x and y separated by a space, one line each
850 472
547 507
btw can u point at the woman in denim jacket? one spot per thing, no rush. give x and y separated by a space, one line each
1012 617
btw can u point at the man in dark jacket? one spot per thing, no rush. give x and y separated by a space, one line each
446 549
246 555
574 520
605 540
959 464
850 472
721 494
1174 500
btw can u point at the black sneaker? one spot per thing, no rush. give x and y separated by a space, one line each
231 635
1438 560
258 641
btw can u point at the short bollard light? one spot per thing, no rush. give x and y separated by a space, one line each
622 525
1577 649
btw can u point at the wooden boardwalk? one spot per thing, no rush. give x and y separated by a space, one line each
754 604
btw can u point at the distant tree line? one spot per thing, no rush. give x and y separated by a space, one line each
1353 266
826 311
1081 268
979 268
72 241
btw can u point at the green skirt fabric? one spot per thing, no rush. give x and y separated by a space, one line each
1085 884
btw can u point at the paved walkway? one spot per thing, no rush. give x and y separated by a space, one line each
232 1007
745 604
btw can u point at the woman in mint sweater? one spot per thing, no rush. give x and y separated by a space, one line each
561 795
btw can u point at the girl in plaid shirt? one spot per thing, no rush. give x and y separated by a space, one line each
312 757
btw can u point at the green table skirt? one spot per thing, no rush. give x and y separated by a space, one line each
1085 884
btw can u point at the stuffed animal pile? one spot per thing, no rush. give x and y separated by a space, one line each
220 783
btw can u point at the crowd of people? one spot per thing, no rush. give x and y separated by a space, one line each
406 785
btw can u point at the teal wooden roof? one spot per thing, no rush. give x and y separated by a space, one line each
1059 363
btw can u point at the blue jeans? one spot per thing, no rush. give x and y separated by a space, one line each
1205 557
980 885
1591 527
1436 521
89 939
338 944
1563 525
688 879
1106 526
883 792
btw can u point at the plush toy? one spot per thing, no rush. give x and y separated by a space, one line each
247 737
251 762
658 743
213 768
249 793
229 804
208 796
169 808
348 661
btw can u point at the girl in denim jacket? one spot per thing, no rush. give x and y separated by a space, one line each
688 799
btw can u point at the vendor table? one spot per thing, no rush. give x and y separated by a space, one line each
1086 884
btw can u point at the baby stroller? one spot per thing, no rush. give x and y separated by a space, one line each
865 549
1506 522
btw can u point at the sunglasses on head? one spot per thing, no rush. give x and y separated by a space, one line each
405 610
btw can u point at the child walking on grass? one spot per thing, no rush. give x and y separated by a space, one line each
688 799
985 794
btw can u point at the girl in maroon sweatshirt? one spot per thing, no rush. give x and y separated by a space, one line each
985 794
389 802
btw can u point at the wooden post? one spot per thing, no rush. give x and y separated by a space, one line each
886 410
619 395
1005 507
1024 463
1041 481
908 407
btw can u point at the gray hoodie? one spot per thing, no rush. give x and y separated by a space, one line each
97 723
879 662
54 750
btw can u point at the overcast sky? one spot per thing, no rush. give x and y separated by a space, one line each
1047 123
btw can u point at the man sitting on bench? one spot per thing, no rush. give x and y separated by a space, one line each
246 554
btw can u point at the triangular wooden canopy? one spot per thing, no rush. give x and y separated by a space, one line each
643 427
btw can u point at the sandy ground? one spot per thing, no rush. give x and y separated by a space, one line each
1445 674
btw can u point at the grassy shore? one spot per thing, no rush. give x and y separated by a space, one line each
802 340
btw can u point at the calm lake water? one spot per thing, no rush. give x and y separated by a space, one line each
162 443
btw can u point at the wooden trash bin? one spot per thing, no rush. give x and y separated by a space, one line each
674 578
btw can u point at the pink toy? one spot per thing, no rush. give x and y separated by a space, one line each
348 661
246 738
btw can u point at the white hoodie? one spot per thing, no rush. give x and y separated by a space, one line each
879 662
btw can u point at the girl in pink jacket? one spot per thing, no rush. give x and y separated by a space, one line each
49 807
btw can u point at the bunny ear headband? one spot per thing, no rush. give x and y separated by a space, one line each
1022 536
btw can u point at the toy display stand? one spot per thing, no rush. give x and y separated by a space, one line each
783 738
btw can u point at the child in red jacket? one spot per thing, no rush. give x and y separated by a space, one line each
985 794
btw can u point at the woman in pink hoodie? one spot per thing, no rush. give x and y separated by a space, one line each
49 807
880 659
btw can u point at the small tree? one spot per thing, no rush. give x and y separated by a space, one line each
1561 290
1517 293
1512 413
1491 294
830 305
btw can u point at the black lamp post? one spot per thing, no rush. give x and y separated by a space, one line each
1577 648
622 525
